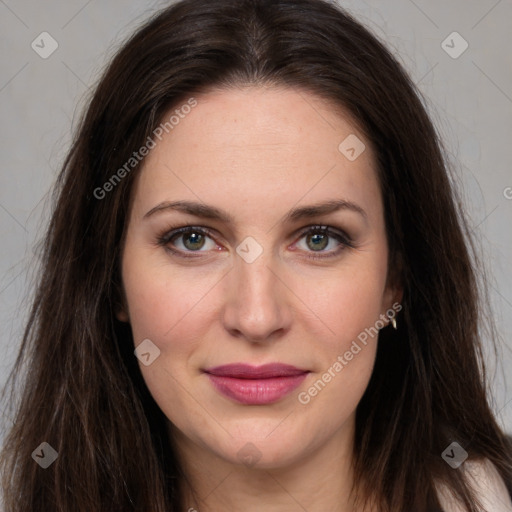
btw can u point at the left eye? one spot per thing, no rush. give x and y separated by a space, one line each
318 239
193 239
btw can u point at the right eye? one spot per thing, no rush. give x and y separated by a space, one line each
192 239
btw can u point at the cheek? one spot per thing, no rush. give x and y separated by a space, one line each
350 309
346 302
161 302
165 307
348 305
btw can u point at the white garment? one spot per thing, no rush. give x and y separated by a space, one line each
489 486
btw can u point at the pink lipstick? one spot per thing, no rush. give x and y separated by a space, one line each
256 385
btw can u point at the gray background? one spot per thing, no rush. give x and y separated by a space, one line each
469 98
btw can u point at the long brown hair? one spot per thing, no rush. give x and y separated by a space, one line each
83 392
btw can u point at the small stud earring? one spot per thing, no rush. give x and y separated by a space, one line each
393 323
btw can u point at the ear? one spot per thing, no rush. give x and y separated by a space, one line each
391 303
393 295
394 292
120 304
122 314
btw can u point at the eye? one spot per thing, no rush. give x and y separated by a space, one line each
190 238
186 240
317 238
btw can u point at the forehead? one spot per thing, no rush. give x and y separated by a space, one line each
258 147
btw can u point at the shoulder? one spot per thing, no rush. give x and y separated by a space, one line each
488 485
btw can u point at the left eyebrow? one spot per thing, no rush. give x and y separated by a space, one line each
317 210
304 212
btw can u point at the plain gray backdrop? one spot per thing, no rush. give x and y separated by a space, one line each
468 94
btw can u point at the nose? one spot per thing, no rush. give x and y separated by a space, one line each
257 301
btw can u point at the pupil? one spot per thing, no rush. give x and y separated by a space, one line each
321 238
192 237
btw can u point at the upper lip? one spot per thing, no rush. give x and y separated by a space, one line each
245 371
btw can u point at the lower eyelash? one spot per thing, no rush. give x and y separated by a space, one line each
345 241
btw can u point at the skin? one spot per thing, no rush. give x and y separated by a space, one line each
257 153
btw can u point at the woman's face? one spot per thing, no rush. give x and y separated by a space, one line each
257 168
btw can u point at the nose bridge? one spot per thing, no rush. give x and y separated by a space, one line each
256 302
256 280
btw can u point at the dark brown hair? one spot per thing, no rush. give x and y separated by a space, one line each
83 392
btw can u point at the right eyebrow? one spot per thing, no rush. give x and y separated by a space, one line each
192 208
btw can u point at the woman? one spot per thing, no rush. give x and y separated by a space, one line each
257 290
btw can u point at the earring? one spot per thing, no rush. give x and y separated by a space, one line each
393 323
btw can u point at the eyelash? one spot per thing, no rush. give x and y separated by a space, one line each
173 232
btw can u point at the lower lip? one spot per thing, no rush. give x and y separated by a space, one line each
256 391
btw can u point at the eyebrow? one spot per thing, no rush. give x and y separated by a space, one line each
210 212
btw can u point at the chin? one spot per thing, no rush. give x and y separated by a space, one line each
263 452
